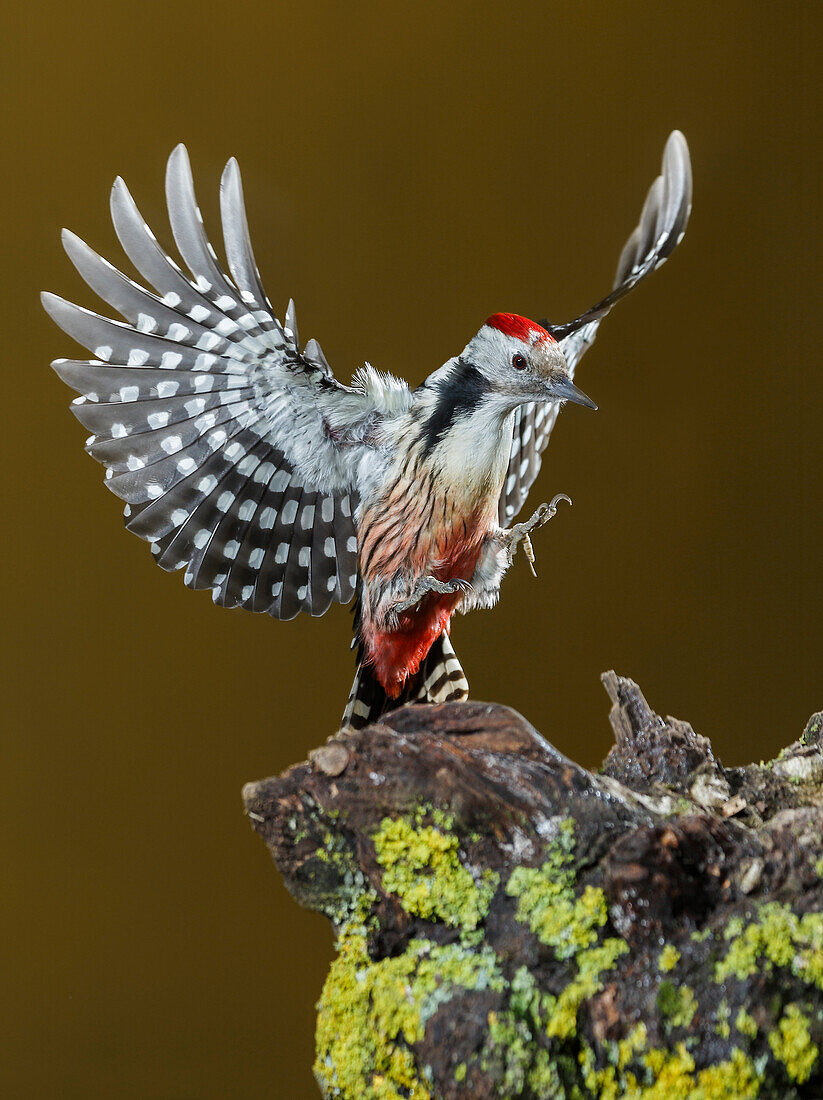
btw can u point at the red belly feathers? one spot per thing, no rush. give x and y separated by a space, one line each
397 654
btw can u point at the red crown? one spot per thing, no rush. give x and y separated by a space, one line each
512 324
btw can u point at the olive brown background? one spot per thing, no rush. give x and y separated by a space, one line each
409 169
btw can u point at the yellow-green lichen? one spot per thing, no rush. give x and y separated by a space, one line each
775 937
669 958
668 1075
592 964
422 868
722 1017
677 1004
371 1013
547 901
792 1044
746 1024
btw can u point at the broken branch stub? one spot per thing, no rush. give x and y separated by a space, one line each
511 925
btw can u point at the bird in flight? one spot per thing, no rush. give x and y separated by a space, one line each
243 461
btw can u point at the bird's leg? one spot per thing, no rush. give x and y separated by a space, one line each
521 532
423 586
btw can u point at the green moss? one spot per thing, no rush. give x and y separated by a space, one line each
669 958
818 867
792 1044
422 868
746 1024
460 1072
775 937
677 1004
371 1013
547 901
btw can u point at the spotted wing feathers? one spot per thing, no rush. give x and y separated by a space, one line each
210 421
662 225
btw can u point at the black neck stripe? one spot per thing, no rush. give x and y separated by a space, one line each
458 395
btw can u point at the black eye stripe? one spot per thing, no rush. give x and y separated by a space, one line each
519 361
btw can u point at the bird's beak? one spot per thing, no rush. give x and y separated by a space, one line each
565 390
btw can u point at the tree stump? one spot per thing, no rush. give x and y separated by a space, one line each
511 925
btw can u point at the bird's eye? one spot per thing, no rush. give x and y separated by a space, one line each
519 361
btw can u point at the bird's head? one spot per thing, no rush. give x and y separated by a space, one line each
520 361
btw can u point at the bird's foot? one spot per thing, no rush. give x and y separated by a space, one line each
429 584
521 532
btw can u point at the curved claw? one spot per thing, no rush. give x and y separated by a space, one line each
556 500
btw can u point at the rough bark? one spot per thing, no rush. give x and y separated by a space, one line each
511 925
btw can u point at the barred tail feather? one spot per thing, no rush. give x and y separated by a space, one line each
440 679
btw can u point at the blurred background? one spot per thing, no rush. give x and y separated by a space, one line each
409 169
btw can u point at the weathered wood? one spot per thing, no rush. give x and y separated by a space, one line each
512 925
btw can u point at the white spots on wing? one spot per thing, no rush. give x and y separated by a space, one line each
351 544
134 463
302 592
224 501
246 465
247 510
179 517
129 393
345 506
247 297
328 548
199 313
304 556
186 465
118 431
226 327
282 553
276 589
178 332
231 549
267 518
327 509
205 361
236 381
510 483
201 539
256 557
171 299
224 302
171 444
526 435
170 359
202 283
331 583
206 484
280 481
167 388
307 517
524 465
247 592
153 490
145 323
263 473
208 341
103 352
233 451
195 406
353 580
157 419
289 512
203 383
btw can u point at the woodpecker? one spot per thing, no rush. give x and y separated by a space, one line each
243 461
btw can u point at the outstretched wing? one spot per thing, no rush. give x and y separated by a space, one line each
661 228
213 426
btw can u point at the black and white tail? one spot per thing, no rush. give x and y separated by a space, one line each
440 679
